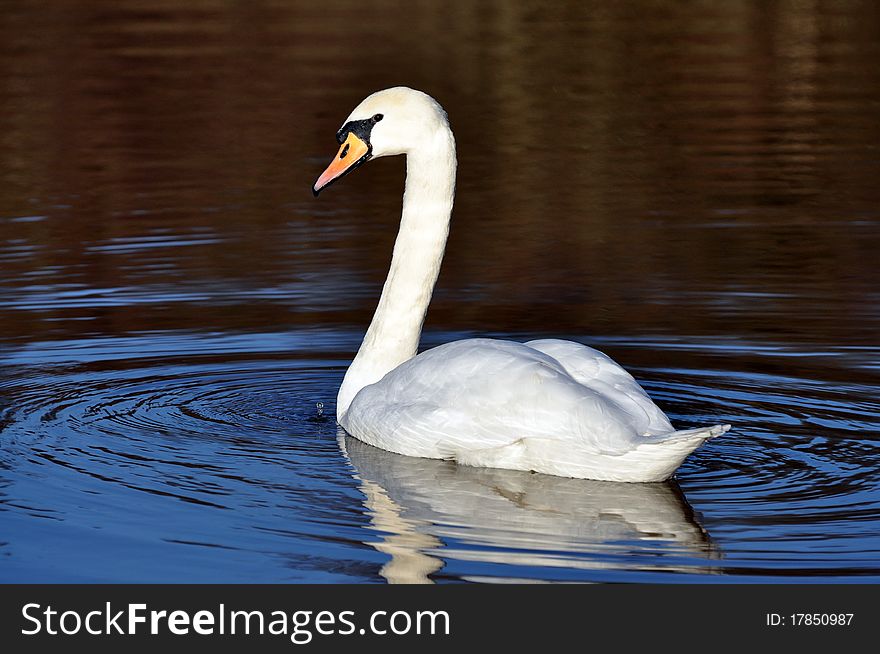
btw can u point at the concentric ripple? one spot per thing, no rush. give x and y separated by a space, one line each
187 457
196 453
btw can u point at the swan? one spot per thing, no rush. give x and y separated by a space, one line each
549 405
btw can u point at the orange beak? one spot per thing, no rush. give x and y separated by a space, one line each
352 153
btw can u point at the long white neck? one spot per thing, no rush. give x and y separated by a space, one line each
393 335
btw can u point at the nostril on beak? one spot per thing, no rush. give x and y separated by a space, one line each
344 151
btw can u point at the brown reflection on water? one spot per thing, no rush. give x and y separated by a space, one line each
625 168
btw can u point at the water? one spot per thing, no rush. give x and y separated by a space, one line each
691 189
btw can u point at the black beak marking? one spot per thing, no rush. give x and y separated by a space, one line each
361 129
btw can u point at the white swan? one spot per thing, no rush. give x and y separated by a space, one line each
550 406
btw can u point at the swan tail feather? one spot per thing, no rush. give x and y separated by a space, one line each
658 455
695 436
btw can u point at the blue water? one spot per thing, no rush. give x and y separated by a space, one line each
199 457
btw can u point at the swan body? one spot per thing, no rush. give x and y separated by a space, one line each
550 406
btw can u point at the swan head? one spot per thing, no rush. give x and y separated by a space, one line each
398 120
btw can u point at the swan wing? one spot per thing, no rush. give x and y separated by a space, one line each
480 395
600 372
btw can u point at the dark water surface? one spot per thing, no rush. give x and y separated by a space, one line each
693 188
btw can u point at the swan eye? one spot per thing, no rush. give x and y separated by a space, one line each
378 117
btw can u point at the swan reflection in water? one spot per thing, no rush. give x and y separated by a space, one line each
427 511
